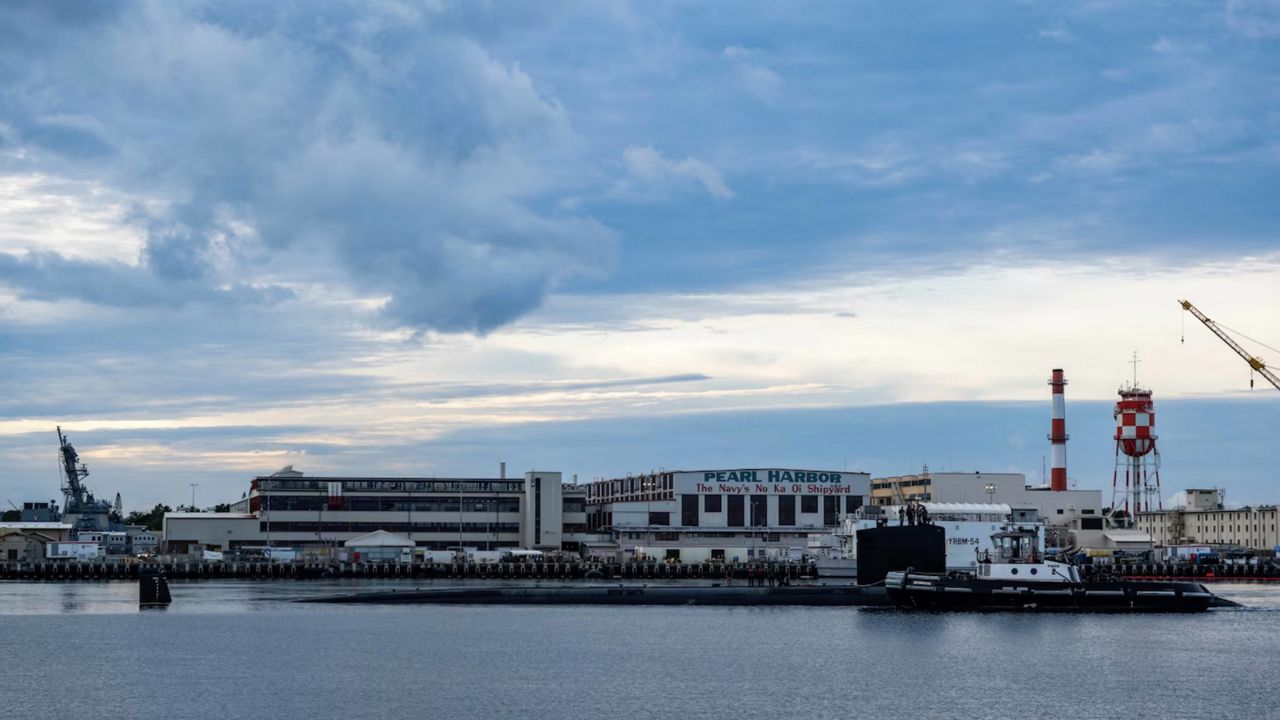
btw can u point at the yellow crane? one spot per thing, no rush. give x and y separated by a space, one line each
1254 361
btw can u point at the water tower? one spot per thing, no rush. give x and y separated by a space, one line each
1137 457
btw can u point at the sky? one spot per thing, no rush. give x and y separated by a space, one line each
423 238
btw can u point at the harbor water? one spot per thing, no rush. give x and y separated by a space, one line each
240 649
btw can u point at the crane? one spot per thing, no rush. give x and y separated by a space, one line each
73 470
1254 361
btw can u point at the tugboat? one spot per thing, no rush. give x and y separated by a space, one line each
1016 578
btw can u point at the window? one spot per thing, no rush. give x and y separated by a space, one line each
759 510
829 510
786 509
736 503
689 510
659 518
852 503
711 503
808 503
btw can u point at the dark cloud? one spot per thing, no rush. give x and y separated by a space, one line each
383 145
50 276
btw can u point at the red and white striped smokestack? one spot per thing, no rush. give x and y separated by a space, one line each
1058 433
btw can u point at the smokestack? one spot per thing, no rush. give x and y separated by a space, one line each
502 471
1058 433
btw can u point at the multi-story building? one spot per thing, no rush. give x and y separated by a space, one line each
694 516
1051 507
290 509
1205 519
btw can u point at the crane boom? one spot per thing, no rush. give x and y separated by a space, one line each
1254 361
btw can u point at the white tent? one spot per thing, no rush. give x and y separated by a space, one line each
938 509
1135 540
379 538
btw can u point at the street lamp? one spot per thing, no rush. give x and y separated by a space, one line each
991 492
752 522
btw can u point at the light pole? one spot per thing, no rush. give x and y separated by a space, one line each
193 495
752 522
991 492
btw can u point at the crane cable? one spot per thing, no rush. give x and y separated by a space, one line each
1246 337
1233 331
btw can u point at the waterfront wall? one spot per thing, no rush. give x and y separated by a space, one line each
72 571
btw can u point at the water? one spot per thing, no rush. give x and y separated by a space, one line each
238 650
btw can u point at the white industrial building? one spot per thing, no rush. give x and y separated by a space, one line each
290 509
1204 518
1071 518
709 515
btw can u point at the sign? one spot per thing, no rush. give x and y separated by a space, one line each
770 482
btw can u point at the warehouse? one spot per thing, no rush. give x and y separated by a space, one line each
708 515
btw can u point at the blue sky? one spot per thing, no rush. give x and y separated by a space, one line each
604 237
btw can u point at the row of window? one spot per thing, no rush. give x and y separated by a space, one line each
888 484
735 509
431 544
629 486
375 503
273 485
432 527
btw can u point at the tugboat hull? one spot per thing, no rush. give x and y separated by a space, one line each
928 591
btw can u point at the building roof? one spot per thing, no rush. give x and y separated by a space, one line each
35 525
1120 536
941 508
379 538
31 534
211 515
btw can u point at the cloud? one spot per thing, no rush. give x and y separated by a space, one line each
1254 18
50 276
1096 161
1056 34
756 79
390 151
649 172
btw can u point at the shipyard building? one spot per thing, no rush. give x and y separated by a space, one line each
1072 518
1205 519
690 516
708 515
290 509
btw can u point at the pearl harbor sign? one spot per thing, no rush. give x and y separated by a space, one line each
771 481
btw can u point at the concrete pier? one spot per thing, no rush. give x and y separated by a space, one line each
716 594
195 570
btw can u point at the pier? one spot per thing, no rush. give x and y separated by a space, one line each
202 570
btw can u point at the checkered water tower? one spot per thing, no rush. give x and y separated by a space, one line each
1135 486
